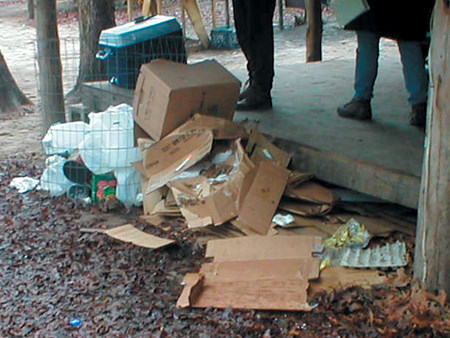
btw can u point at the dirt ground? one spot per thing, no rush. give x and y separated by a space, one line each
50 272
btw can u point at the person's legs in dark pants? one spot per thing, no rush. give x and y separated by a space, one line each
365 75
253 21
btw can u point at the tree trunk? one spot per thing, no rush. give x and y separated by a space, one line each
11 97
313 30
94 16
30 9
49 62
432 260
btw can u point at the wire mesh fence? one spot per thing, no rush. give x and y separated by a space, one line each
91 151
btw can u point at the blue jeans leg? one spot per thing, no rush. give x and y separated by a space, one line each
416 79
366 64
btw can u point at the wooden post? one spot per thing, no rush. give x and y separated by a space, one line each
313 30
130 5
281 14
193 11
432 259
213 13
30 9
49 62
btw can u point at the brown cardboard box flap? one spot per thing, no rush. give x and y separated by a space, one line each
174 154
128 233
213 195
260 148
261 192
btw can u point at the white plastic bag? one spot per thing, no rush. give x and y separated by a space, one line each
128 186
64 137
53 178
109 144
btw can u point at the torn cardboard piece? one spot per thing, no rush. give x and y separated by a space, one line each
193 285
255 273
260 148
222 129
213 198
174 154
129 234
168 93
260 195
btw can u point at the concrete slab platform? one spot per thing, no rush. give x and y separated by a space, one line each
382 158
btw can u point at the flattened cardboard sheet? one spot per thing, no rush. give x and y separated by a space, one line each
128 233
255 273
263 248
311 192
304 209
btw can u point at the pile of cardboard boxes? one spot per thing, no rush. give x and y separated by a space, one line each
198 163
216 174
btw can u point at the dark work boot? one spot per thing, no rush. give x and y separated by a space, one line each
359 109
255 101
418 115
246 91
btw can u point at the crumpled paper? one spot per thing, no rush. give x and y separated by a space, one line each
24 184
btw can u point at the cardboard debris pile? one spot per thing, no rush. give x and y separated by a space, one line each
229 181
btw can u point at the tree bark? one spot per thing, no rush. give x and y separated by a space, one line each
30 9
432 260
313 30
49 62
11 97
94 16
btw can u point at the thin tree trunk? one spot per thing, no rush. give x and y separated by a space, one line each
30 9
11 97
94 16
313 30
49 62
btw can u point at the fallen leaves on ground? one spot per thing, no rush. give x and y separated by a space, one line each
50 272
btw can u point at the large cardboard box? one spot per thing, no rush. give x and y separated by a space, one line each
168 93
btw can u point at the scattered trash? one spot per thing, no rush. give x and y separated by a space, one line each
24 184
283 220
352 234
75 322
105 146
